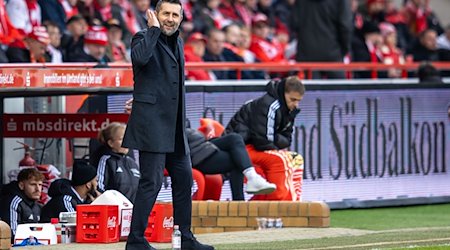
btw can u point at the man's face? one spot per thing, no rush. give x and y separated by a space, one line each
199 47
233 34
261 29
216 42
77 28
429 40
32 188
169 17
92 185
114 34
54 35
97 51
37 49
292 98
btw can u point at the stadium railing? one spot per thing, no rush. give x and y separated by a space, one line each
306 69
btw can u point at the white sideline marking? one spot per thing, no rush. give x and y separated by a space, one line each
383 243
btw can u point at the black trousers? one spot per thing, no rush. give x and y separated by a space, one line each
231 158
152 173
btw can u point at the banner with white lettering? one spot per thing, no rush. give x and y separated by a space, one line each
57 125
360 144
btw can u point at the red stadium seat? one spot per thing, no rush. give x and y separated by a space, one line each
209 186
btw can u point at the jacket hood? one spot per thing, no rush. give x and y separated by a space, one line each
275 88
60 187
272 88
11 188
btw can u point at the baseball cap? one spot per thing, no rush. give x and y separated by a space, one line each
40 34
96 35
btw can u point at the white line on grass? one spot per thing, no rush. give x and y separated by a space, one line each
383 243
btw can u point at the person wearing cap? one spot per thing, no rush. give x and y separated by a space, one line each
156 126
390 53
265 49
35 47
67 194
194 49
116 49
72 39
20 199
94 49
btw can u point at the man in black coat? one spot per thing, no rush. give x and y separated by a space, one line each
156 126
20 199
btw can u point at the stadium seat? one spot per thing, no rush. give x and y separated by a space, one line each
209 186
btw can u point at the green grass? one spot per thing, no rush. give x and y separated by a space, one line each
392 218
397 239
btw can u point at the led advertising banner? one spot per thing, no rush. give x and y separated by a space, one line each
361 144
358 144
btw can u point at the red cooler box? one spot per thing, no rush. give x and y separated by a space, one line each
160 223
97 223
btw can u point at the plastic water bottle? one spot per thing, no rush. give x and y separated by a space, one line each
176 238
55 222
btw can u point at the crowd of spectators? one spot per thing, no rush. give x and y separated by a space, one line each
229 30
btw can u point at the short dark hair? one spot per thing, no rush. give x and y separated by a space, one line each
75 18
28 174
427 73
160 2
48 23
294 84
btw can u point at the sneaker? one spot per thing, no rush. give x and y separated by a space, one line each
259 185
193 244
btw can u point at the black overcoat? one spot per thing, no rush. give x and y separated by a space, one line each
158 77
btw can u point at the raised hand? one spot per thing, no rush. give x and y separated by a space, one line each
128 106
152 21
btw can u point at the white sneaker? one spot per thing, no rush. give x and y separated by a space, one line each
259 185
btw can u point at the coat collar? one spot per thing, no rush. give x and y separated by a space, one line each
163 41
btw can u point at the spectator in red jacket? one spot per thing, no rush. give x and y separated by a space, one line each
8 33
390 53
265 50
194 49
35 47
419 17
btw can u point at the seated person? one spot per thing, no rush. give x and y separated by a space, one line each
67 194
222 155
116 170
32 49
227 154
266 125
20 199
